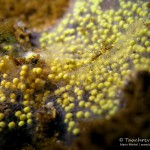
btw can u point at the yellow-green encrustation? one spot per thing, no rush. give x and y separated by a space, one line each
84 62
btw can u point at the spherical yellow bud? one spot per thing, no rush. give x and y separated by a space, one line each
66 102
11 125
18 113
22 86
94 92
2 124
21 123
79 114
3 82
39 70
87 114
51 76
24 67
81 103
71 106
76 131
87 104
80 92
91 98
26 103
22 117
71 124
29 121
27 109
29 115
1 116
65 76
23 73
69 115
8 85
15 80
13 96
3 98
5 75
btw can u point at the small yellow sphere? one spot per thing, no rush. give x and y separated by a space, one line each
27 109
39 70
21 123
3 98
76 131
1 116
24 67
11 125
29 121
18 113
22 117
79 114
69 115
2 124
15 80
29 115
87 114
5 75
71 124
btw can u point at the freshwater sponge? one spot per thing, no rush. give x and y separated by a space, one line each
83 65
99 44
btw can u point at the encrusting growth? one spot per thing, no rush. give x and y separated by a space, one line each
82 66
96 47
